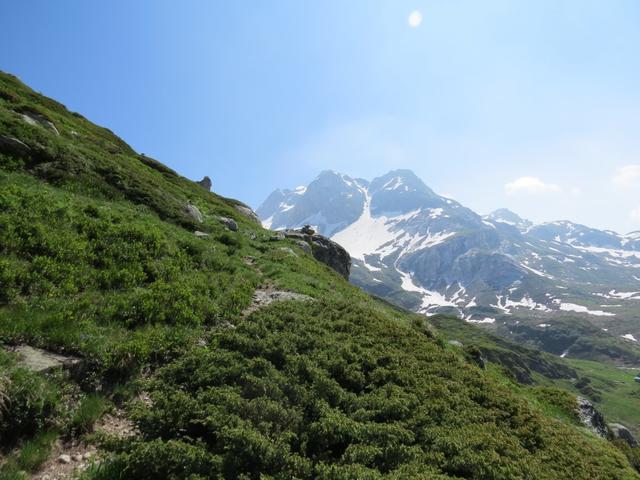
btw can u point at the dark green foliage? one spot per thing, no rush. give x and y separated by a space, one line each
301 390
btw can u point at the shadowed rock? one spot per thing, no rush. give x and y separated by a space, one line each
205 183
230 223
13 146
620 432
324 250
591 418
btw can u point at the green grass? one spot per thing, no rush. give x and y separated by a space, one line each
620 394
88 412
29 456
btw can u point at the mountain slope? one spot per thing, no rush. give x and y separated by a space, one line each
432 255
143 276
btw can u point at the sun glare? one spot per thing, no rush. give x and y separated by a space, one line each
415 19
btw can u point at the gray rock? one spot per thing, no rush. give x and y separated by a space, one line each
229 223
306 248
64 458
13 146
277 237
77 457
637 379
247 212
42 361
205 183
200 234
591 418
37 119
289 251
193 212
620 432
265 296
455 343
324 250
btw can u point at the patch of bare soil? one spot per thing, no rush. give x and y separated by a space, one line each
69 458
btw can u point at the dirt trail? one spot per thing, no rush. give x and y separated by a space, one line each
70 458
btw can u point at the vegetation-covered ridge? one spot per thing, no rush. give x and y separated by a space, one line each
99 258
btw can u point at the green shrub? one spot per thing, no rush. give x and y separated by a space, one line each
88 412
29 403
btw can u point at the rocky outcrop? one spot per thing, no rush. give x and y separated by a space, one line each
620 432
324 250
229 223
193 212
305 247
247 212
38 119
13 146
43 361
591 418
205 183
268 294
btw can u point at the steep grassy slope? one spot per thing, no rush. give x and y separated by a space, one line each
98 258
613 390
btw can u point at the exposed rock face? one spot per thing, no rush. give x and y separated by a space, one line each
13 146
229 223
37 119
591 418
205 183
247 212
193 212
267 295
325 251
306 248
42 361
620 432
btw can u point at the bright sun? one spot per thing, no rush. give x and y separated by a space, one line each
415 19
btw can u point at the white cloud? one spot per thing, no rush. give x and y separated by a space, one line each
627 176
635 214
530 185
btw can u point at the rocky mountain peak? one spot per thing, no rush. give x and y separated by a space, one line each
506 216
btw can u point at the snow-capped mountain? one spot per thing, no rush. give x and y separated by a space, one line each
431 254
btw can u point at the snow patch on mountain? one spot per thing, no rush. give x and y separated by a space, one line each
430 300
572 307
366 235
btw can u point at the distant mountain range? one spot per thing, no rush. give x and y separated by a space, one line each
431 254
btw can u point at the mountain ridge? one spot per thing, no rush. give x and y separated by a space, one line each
431 254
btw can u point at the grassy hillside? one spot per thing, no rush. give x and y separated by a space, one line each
612 389
98 258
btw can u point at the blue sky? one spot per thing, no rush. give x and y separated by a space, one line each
531 105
